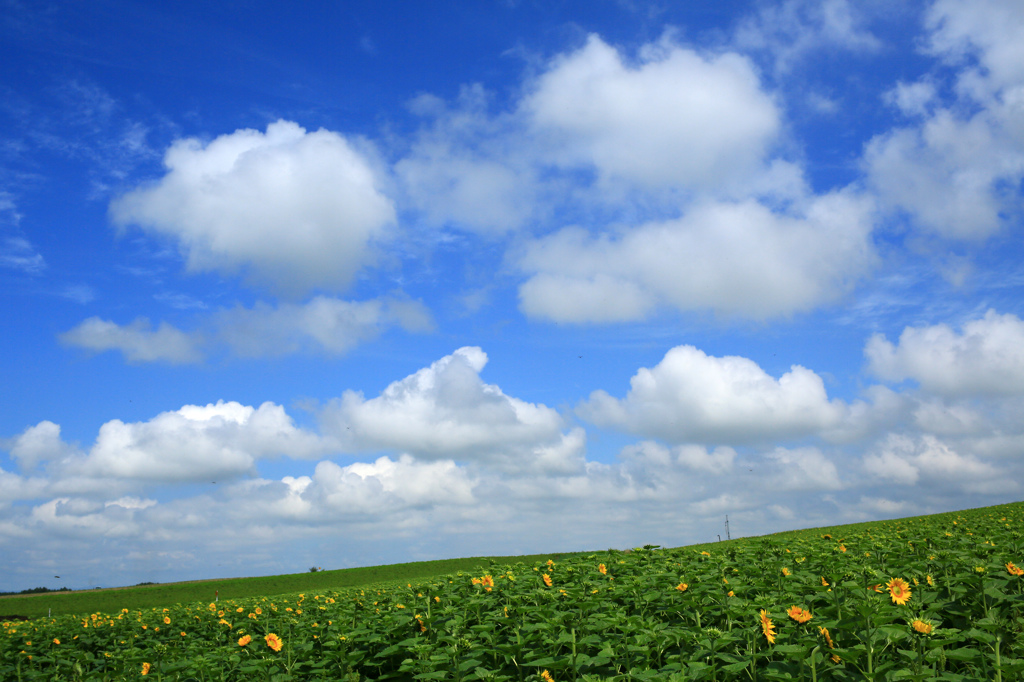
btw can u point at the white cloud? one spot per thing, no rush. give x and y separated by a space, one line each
446 411
298 209
913 99
138 342
673 118
988 30
39 443
907 460
692 457
469 168
958 171
195 443
734 258
14 487
985 358
795 29
323 323
802 469
385 484
948 173
690 396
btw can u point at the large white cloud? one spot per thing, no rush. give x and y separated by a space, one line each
985 358
672 118
692 397
666 122
958 169
137 341
298 209
195 443
735 258
446 411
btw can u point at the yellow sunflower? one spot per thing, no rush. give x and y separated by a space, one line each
767 627
922 626
798 614
899 590
274 642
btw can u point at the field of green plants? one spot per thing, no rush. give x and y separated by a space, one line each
936 597
162 594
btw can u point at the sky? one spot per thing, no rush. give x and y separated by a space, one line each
346 284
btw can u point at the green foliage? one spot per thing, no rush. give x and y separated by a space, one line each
730 611
147 595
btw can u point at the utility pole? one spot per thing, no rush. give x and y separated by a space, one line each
727 536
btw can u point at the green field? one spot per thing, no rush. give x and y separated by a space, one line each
160 595
937 597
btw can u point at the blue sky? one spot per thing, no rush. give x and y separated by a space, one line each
381 282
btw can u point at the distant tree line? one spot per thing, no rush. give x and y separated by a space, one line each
35 590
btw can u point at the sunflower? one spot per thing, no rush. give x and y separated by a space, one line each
785 571
1013 570
274 642
244 641
828 639
602 569
767 627
899 590
546 676
798 614
682 587
922 626
145 668
547 579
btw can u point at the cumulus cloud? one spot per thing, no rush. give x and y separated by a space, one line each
469 168
667 120
137 341
39 443
297 209
324 323
985 358
958 170
908 460
395 485
738 258
446 411
690 396
672 118
195 443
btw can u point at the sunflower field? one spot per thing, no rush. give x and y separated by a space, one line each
936 597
